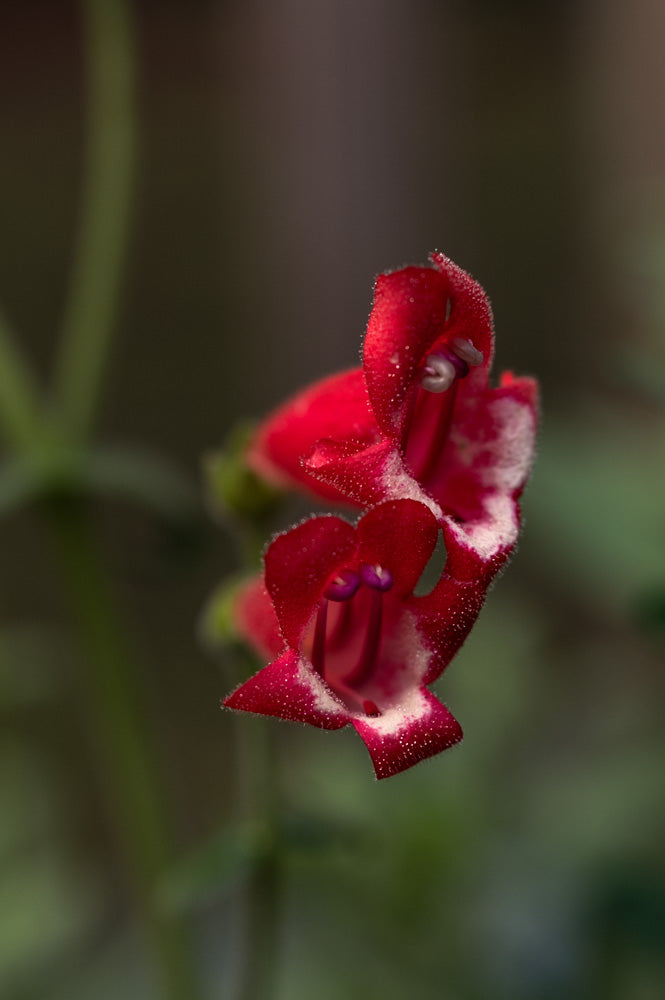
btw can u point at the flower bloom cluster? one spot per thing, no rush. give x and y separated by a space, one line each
420 441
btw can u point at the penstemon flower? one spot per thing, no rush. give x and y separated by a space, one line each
418 436
352 642
418 420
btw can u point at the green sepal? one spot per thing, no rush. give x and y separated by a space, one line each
232 486
217 625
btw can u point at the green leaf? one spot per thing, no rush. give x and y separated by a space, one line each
141 476
131 474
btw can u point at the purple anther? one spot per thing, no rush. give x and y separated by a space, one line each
465 350
441 369
376 577
438 373
343 587
458 363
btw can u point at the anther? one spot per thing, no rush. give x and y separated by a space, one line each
438 374
343 587
449 363
465 350
376 577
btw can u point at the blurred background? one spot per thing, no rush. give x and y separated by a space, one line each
286 151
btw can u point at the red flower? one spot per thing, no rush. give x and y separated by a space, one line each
418 420
353 644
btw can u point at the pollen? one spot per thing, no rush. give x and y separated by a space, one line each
465 350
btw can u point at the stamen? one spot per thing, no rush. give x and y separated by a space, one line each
340 630
465 350
343 587
450 362
438 374
364 666
379 580
439 437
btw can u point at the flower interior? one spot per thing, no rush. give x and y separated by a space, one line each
351 638
428 412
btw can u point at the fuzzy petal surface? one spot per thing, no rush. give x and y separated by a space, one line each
446 617
408 316
416 310
335 407
418 728
299 565
289 689
351 470
484 471
399 536
256 620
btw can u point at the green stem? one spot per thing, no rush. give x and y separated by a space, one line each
20 418
105 213
263 894
257 798
111 696
257 795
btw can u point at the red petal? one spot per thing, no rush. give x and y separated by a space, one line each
335 407
445 617
400 536
407 320
256 620
289 689
408 316
418 728
470 316
299 565
353 471
484 471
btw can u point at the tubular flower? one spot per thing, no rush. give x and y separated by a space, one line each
352 642
418 420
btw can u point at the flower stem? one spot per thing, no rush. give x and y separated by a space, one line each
126 764
105 212
257 800
20 416
440 435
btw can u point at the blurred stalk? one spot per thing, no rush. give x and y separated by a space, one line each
257 802
20 417
110 674
110 680
257 797
105 213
